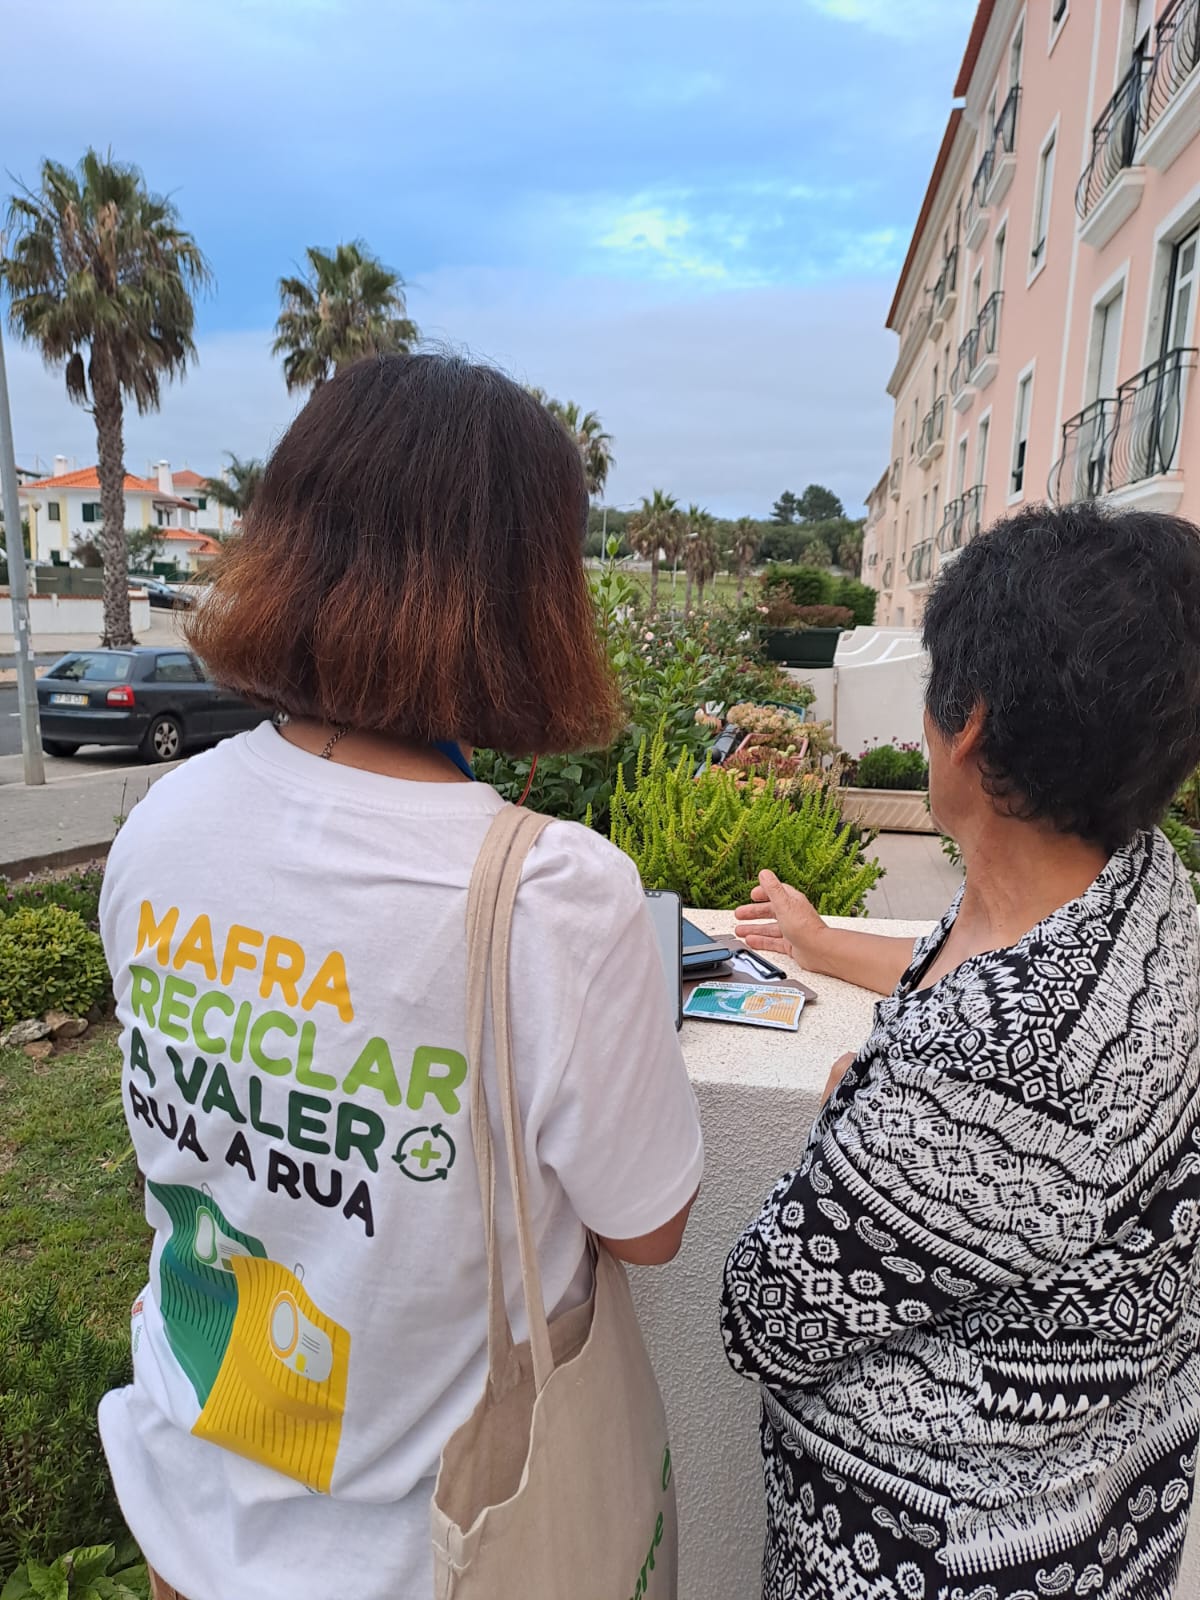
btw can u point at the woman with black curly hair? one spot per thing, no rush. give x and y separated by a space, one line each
974 1308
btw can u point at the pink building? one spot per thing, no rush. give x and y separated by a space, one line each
1047 306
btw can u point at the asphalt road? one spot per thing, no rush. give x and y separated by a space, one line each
91 759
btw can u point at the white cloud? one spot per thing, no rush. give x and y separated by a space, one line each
725 397
906 19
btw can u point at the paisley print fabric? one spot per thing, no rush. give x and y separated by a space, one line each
974 1307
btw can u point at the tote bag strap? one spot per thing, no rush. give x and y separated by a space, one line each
490 905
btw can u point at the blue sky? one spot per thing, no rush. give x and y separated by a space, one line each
687 214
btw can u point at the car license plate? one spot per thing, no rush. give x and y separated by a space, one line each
68 700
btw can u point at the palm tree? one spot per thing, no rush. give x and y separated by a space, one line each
237 485
101 277
700 553
746 544
651 530
850 550
595 446
585 427
350 305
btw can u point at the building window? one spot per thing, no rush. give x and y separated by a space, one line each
162 515
1014 57
1106 347
1185 278
960 475
1041 215
912 434
1021 434
998 258
976 295
202 503
1059 11
981 450
54 511
91 511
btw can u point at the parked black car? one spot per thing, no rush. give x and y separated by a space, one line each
162 596
160 700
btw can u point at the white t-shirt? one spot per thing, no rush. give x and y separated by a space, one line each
287 939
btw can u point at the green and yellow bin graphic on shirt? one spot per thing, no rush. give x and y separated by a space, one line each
268 1367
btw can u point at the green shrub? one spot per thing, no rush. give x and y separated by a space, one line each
49 961
808 586
95 1572
861 599
707 838
55 1490
890 766
76 891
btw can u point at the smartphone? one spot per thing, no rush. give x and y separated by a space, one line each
700 954
666 913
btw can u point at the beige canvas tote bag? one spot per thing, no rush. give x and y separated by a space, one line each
560 1485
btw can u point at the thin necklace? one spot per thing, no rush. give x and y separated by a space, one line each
327 753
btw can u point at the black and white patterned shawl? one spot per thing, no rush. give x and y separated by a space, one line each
975 1305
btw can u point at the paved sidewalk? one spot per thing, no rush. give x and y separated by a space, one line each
69 820
920 882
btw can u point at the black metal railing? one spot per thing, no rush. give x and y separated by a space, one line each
920 562
947 282
933 427
1145 439
1114 140
889 570
968 360
989 326
1176 56
961 520
1004 135
979 183
1081 471
1124 439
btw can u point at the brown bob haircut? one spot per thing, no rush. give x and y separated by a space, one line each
412 565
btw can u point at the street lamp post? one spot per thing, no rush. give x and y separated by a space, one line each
18 585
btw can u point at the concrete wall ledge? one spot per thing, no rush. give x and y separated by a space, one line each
758 1091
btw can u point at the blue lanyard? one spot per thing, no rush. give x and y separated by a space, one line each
453 752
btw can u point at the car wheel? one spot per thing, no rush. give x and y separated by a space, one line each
53 747
163 740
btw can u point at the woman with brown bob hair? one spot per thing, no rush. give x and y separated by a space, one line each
292 994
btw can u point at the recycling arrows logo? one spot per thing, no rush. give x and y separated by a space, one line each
428 1161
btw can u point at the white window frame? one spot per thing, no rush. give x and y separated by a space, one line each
1000 234
1056 27
1171 231
1025 376
962 467
1016 42
983 430
1043 198
1117 284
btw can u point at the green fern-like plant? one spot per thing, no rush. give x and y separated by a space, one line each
55 1490
707 839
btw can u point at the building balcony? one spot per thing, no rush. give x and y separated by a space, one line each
962 390
920 563
1171 103
1125 448
1110 189
976 216
1004 150
894 479
961 521
933 433
987 352
944 295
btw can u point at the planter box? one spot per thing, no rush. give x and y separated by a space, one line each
809 647
888 810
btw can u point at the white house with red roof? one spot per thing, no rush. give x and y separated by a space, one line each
65 507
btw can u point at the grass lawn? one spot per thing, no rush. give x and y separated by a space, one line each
66 1213
723 589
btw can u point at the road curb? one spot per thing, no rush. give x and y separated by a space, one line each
53 860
